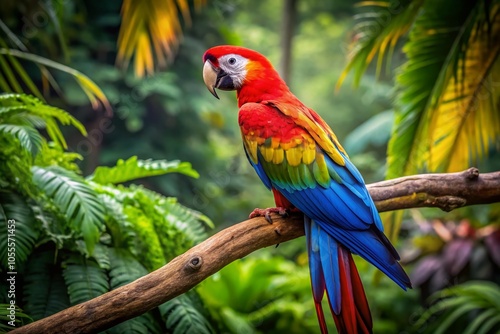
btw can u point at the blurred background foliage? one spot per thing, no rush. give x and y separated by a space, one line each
129 72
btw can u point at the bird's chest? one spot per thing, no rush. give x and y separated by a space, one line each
264 124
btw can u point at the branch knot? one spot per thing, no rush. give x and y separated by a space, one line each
194 264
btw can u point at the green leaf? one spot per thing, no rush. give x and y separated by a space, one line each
452 305
29 139
20 320
73 197
31 111
377 32
133 168
181 317
126 269
44 291
17 222
84 278
93 92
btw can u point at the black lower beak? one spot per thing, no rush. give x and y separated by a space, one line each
224 81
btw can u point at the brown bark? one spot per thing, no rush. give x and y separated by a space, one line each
446 191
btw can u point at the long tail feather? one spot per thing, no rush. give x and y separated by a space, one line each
355 316
333 270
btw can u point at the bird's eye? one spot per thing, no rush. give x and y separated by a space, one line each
232 61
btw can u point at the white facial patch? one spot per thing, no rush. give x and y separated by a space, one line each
235 66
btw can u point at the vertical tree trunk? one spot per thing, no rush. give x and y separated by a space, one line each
287 31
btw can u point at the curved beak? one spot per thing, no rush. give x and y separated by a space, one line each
210 77
215 77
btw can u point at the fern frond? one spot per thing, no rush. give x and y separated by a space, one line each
181 317
148 241
126 269
42 300
29 139
191 222
24 230
20 320
84 278
121 230
33 111
75 199
133 168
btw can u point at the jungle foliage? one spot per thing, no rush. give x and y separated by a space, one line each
116 99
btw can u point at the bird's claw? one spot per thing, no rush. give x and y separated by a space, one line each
266 213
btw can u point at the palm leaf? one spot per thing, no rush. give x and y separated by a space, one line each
477 300
445 93
14 211
181 317
42 300
133 168
73 197
84 278
376 33
9 82
150 31
442 91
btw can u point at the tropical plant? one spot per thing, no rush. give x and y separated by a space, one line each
446 88
150 30
77 238
451 253
469 308
446 108
261 294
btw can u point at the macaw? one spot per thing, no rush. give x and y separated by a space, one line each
299 158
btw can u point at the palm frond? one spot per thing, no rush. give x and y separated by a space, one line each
42 300
10 72
377 31
26 110
446 94
73 197
84 278
150 32
16 220
181 317
133 168
474 305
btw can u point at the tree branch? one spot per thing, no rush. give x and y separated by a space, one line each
446 191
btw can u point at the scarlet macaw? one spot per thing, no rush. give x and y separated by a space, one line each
297 156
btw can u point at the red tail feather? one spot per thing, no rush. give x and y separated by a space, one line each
321 317
355 316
